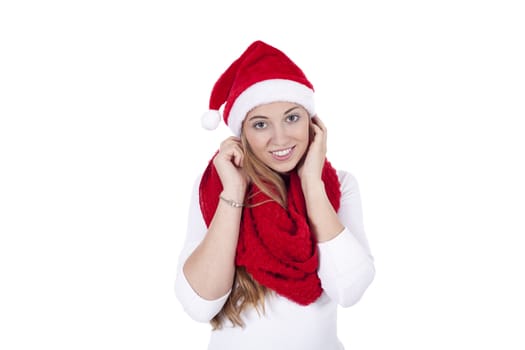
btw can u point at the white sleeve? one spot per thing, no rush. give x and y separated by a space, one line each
346 266
200 309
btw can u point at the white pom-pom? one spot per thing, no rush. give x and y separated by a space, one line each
211 119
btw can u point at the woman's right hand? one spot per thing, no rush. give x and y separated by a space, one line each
229 163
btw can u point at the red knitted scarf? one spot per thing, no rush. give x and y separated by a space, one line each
275 244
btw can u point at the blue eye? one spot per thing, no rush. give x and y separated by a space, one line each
259 125
292 118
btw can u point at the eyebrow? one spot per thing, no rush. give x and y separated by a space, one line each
263 117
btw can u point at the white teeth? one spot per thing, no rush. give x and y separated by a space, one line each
282 153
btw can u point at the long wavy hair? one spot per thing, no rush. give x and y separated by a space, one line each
246 291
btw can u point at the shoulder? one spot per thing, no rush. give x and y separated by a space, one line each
347 180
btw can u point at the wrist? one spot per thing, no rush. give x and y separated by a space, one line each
231 202
312 185
234 194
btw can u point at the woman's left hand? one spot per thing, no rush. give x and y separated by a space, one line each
312 167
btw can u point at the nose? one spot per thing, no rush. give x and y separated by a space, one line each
279 136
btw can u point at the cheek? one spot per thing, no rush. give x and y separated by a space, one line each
257 141
304 134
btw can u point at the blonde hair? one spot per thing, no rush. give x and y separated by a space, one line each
246 291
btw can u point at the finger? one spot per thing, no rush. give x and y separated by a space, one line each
228 148
229 141
231 152
319 137
317 121
237 156
317 130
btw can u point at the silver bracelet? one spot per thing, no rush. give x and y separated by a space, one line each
231 202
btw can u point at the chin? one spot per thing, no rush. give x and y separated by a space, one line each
283 168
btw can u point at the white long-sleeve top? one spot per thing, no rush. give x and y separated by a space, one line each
346 269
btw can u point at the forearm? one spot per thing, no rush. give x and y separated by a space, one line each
345 268
323 218
346 265
210 269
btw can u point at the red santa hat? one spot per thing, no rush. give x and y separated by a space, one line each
262 74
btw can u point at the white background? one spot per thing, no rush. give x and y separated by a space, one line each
100 142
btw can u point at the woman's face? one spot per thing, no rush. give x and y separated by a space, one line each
278 134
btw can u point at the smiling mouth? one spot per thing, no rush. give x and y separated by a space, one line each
282 154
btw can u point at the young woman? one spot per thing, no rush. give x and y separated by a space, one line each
275 237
